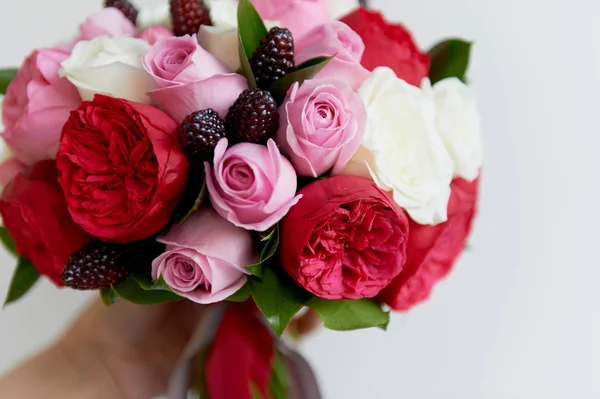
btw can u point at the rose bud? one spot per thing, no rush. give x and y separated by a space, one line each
205 257
345 239
121 168
322 124
433 250
35 213
251 185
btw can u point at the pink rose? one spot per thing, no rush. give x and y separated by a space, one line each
189 78
205 258
299 16
335 38
154 33
37 105
107 22
251 185
322 124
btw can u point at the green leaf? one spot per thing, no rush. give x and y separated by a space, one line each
255 391
6 76
7 241
267 253
350 315
251 30
242 295
109 296
449 58
278 298
24 277
302 72
197 191
131 290
280 379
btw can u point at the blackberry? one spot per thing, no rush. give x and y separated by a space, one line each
199 133
253 117
98 265
188 16
273 58
125 7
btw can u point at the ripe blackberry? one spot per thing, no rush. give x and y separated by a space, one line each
199 133
253 117
188 16
273 58
98 265
125 7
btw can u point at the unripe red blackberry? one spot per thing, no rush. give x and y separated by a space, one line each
188 16
199 133
98 265
125 7
253 117
273 58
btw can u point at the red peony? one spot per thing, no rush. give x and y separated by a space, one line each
433 250
121 168
345 239
35 213
389 45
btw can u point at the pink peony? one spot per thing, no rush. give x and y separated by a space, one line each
37 105
189 78
299 16
345 239
205 258
322 124
335 38
106 22
251 185
9 169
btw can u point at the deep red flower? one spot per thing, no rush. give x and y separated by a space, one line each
433 250
345 239
35 213
390 45
121 168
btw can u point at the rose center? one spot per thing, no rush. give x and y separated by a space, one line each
239 176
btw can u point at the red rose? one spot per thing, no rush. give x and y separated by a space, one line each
433 250
345 239
121 168
389 45
241 355
35 213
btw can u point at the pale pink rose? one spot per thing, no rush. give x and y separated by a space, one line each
37 105
299 16
335 38
153 34
251 185
106 22
189 78
9 169
205 258
322 124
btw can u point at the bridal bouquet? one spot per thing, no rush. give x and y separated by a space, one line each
278 156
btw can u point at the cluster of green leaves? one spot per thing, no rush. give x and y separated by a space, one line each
25 275
449 58
251 30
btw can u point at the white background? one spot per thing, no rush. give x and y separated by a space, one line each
520 317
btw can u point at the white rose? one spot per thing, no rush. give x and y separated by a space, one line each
158 15
221 39
110 66
459 124
341 8
402 150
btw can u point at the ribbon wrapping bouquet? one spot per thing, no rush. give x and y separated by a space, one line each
272 156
